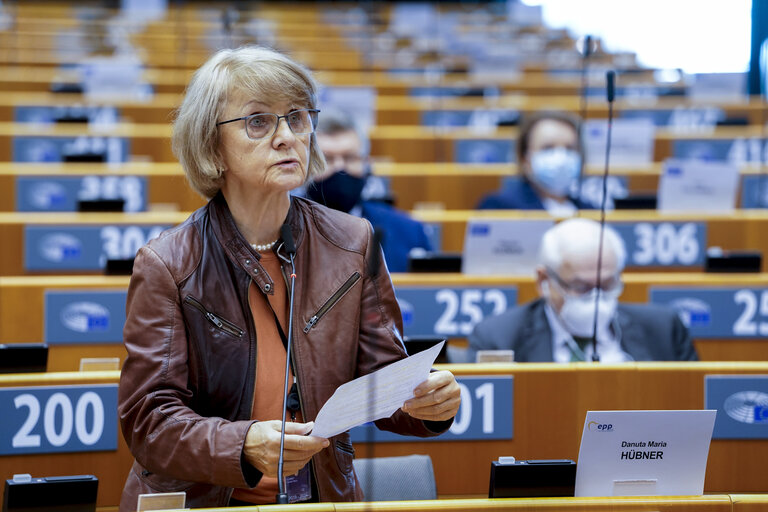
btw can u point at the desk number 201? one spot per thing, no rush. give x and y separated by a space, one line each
58 433
484 396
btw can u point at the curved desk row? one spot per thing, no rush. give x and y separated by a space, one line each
147 186
723 310
547 407
400 143
82 242
395 109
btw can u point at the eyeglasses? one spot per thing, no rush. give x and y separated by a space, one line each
610 286
259 126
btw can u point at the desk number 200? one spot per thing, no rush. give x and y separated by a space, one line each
70 417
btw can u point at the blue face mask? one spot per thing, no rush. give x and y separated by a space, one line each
340 191
556 170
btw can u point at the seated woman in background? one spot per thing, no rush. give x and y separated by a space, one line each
550 156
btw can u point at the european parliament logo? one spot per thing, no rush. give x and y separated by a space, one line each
747 407
742 405
693 312
48 195
85 317
60 247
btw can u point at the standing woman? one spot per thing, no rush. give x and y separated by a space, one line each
201 390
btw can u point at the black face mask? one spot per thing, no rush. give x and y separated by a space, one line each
340 191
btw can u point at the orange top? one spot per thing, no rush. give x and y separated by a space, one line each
270 364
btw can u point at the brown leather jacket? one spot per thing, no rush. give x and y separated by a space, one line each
187 385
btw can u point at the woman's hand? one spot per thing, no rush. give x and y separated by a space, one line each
437 398
262 446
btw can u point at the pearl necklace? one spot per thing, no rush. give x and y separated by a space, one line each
264 247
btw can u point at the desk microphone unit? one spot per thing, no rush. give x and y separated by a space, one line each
443 262
101 205
23 357
532 478
636 202
733 261
75 493
119 267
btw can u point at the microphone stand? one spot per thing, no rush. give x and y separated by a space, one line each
586 52
610 91
282 496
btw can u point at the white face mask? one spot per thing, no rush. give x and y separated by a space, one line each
556 169
578 312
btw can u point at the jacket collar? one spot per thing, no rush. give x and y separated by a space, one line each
237 249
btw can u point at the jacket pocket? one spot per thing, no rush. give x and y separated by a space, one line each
344 452
160 483
220 323
332 300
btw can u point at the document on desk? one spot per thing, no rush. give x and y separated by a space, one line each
374 396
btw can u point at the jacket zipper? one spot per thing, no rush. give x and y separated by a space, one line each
221 323
349 283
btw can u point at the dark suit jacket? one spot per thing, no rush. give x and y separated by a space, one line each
648 333
518 194
401 233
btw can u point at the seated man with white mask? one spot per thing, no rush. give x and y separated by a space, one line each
558 326
549 157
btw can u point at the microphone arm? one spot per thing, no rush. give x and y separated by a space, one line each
586 52
610 78
290 247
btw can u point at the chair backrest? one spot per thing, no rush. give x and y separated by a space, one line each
397 478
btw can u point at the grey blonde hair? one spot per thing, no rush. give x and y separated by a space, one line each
265 74
574 235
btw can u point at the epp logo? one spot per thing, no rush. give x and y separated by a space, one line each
85 317
747 407
600 427
406 310
693 312
481 229
48 195
59 247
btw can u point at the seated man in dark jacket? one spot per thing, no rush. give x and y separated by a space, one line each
550 157
558 327
346 186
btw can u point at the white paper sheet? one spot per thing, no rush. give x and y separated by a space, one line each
374 396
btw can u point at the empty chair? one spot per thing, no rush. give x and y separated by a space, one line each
397 478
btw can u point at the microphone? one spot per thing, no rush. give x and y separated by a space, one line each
585 54
290 248
374 262
610 89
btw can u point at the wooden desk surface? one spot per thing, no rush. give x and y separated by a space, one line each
549 405
715 502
